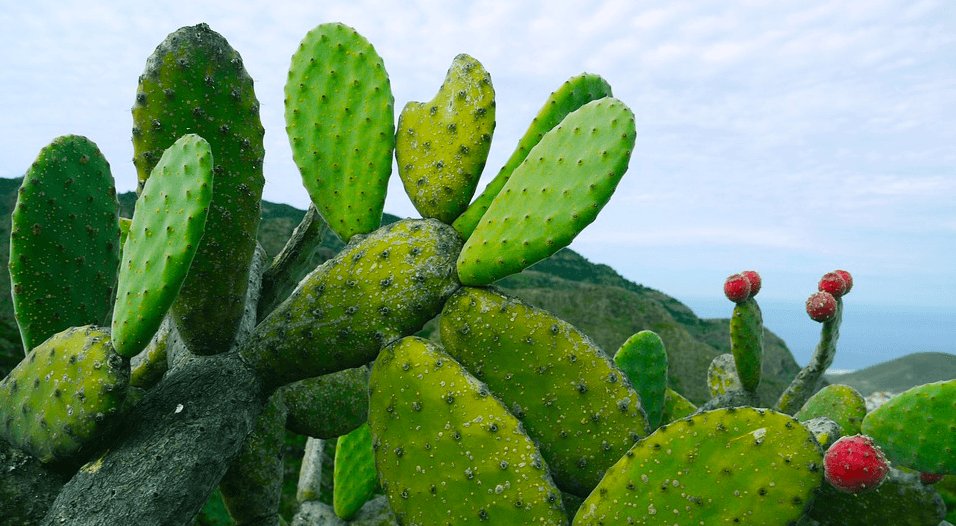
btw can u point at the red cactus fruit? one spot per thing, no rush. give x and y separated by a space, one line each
754 280
847 278
737 288
821 306
833 283
930 478
854 464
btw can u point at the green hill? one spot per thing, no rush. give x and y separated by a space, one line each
900 374
591 296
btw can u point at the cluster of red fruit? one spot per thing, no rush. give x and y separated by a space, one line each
821 305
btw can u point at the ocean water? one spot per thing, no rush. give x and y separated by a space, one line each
869 334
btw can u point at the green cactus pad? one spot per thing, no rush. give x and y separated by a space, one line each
676 406
62 396
195 82
149 366
446 451
354 472
377 289
824 430
644 360
917 428
722 376
746 342
64 241
124 223
840 403
340 118
167 227
573 402
899 501
556 192
808 379
574 93
728 466
947 490
442 145
328 406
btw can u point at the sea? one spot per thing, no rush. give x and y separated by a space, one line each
869 334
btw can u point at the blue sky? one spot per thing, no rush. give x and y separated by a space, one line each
789 137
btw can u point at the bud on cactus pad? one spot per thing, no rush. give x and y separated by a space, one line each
821 306
737 288
854 464
754 279
833 283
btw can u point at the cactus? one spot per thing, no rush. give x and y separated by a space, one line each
643 359
328 406
840 403
676 407
573 402
745 466
722 376
63 396
340 119
355 475
441 145
746 342
916 429
900 501
853 464
446 451
149 366
64 241
195 82
574 93
553 195
167 228
824 430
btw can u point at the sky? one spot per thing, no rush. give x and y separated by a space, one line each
790 137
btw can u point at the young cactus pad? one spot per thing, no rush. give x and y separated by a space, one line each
746 342
441 145
60 397
195 82
644 360
447 451
727 466
574 403
340 118
574 93
354 472
840 403
676 406
328 406
554 194
377 289
168 224
64 242
722 375
917 428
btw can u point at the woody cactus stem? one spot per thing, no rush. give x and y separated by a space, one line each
807 380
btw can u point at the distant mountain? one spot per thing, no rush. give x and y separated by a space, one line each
591 296
900 374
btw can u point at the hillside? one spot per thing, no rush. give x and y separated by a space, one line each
591 296
898 375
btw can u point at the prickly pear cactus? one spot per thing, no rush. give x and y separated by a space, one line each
840 403
722 375
64 241
917 428
447 451
195 82
328 406
578 407
340 119
676 406
746 342
574 93
167 228
354 472
644 360
441 145
60 398
559 189
900 501
728 466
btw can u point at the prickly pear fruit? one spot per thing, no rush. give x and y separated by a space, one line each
61 397
379 288
448 452
928 479
840 403
917 428
821 306
644 360
737 288
854 464
574 93
899 501
698 471
328 406
64 241
354 472
195 82
578 407
847 279
167 228
441 145
340 119
676 407
722 376
833 283
755 281
552 196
